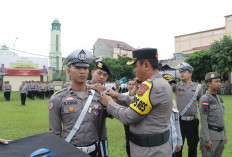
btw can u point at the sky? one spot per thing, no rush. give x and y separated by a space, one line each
25 25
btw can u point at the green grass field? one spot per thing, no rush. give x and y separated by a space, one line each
20 121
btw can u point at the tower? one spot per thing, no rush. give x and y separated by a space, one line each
55 60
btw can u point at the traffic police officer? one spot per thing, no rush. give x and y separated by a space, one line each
23 92
187 93
213 132
7 90
68 106
149 113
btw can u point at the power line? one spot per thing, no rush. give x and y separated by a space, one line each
28 52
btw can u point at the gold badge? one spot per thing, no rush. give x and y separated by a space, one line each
181 93
100 65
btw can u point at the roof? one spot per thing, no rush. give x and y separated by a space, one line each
210 30
117 44
56 21
202 48
4 50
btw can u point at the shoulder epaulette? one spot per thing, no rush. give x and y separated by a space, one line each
59 91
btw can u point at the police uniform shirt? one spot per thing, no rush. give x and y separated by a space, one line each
65 107
148 114
23 88
184 94
8 88
51 86
4 87
32 87
211 112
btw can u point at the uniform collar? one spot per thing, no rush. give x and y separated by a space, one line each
191 83
157 75
72 91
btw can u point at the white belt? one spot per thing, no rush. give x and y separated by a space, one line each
88 149
188 118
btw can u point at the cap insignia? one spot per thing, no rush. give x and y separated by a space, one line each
99 64
82 56
212 75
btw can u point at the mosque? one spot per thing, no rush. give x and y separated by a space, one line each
23 68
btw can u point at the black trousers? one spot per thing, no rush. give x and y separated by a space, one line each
7 96
23 98
51 92
189 130
42 95
126 129
32 95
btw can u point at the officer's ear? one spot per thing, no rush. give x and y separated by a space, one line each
147 65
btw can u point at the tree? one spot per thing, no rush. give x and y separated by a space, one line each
221 54
201 62
118 68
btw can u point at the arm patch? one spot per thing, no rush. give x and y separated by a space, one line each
142 104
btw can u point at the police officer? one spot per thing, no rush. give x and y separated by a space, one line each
213 131
187 93
23 92
51 88
4 89
149 114
68 106
100 74
32 89
7 90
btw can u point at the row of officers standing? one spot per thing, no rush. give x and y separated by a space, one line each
39 88
30 89
77 113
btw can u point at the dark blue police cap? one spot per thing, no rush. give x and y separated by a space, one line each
102 66
144 53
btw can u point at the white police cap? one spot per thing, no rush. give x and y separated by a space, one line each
185 66
79 57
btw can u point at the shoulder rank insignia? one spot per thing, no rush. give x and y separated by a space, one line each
142 104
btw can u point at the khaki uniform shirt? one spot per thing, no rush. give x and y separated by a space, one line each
65 107
155 120
51 86
32 87
7 88
211 112
183 96
23 88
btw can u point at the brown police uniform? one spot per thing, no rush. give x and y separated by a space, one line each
212 122
148 116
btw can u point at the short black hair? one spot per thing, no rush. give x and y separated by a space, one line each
153 62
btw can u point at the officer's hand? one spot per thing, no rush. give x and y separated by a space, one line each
105 99
208 144
112 93
4 141
98 87
178 148
133 91
225 141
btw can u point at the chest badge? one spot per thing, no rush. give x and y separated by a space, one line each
71 109
181 93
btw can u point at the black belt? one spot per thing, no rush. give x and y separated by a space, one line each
149 140
215 128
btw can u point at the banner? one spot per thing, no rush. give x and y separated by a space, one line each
18 65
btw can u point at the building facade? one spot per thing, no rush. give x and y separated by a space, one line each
111 48
189 43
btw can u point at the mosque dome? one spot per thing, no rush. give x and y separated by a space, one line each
4 50
56 21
